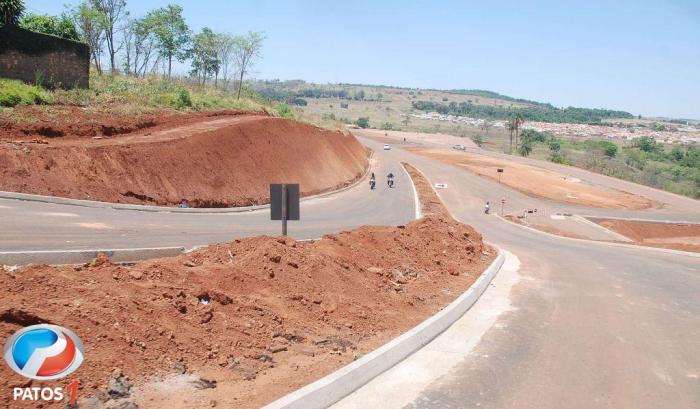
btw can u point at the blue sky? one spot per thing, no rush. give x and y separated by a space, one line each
643 56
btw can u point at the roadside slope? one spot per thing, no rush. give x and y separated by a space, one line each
231 165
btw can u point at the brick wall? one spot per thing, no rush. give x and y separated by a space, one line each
26 56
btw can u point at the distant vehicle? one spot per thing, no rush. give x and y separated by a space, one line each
387 147
460 147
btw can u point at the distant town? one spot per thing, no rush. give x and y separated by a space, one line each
671 134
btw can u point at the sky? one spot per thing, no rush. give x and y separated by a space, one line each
638 56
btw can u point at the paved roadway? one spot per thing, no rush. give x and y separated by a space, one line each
590 325
26 225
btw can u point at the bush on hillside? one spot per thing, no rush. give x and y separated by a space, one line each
14 92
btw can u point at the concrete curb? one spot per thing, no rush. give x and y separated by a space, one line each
416 199
636 219
61 257
164 209
605 243
331 388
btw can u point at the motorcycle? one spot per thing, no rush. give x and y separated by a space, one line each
372 184
390 183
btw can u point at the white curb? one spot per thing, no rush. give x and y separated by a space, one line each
61 257
330 389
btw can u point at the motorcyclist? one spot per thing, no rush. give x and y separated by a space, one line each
390 179
487 207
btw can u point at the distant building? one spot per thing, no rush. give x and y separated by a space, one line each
51 61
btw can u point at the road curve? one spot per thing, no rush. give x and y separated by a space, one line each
590 325
29 226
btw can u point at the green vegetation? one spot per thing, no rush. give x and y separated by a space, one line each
11 11
645 161
541 112
62 26
362 122
18 93
284 111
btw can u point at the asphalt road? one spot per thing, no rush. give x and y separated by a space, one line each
27 225
590 325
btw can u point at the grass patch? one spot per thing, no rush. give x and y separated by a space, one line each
13 92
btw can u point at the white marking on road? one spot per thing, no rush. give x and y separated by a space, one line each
5 207
57 214
96 226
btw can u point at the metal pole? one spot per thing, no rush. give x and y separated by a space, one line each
285 206
502 208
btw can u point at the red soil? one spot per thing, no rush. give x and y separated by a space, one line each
280 313
74 122
679 236
221 162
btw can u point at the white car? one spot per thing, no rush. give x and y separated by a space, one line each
460 147
387 147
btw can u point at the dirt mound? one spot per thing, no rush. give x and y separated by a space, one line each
679 236
541 182
222 162
244 322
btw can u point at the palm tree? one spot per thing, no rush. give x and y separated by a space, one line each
11 11
509 127
518 120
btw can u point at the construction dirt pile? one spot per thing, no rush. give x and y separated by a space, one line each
242 323
679 236
221 161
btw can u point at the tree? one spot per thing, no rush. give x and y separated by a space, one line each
554 145
11 11
110 11
610 150
225 48
646 143
525 147
518 120
486 125
62 26
362 122
247 51
87 21
139 43
171 33
203 54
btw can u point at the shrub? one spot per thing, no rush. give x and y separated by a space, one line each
284 111
362 122
182 99
14 92
387 126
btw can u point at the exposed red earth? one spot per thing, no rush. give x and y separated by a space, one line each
210 160
242 323
679 236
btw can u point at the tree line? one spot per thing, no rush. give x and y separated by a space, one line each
145 45
542 113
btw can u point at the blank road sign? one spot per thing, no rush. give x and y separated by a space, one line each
291 200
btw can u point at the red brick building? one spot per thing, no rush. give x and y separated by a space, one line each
34 57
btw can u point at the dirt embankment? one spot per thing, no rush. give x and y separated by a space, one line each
73 122
541 182
242 323
217 162
679 236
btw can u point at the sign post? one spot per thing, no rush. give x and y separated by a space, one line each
500 172
284 203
